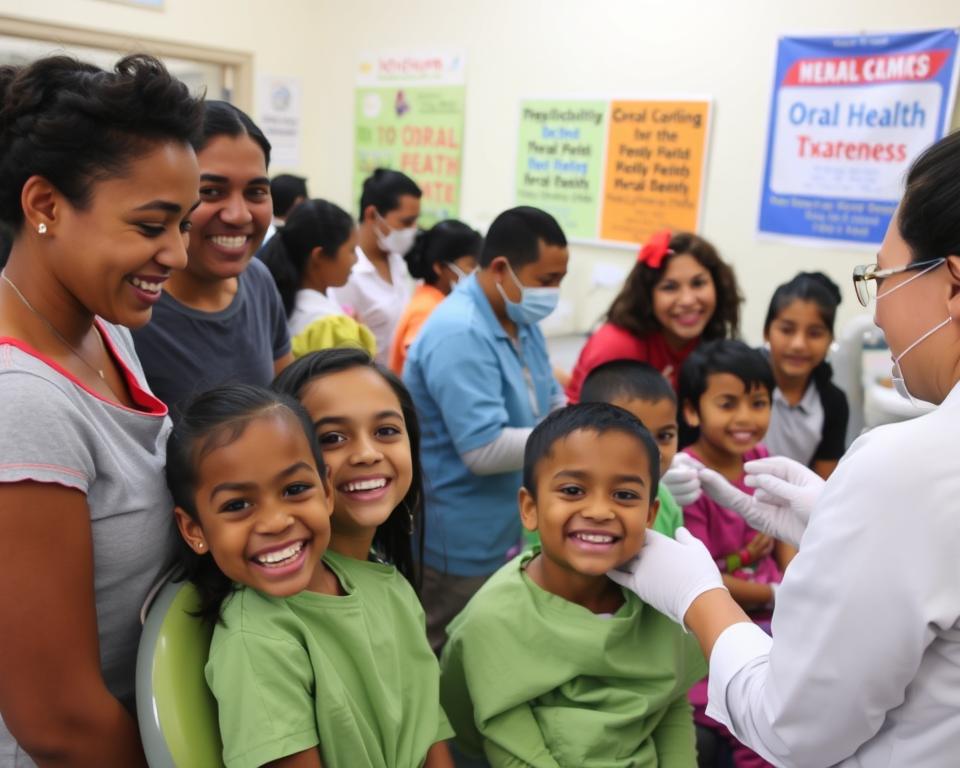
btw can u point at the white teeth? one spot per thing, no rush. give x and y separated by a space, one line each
237 241
143 285
280 556
365 485
594 538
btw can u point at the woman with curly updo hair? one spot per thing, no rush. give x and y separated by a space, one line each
97 180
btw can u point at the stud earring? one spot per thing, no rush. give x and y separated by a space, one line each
42 228
199 546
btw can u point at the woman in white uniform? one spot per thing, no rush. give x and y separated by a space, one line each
864 665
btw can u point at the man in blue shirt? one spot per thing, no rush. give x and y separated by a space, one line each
481 379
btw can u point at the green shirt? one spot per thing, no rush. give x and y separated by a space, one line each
670 516
531 679
353 674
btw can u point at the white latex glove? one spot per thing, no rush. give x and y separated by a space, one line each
786 493
670 574
683 479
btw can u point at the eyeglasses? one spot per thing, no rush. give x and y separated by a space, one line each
864 277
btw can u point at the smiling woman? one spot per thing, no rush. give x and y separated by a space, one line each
221 319
679 292
97 178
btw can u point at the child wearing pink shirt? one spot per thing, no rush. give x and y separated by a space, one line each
726 390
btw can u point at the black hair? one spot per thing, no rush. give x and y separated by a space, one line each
723 356
517 233
632 309
929 214
75 124
312 224
598 418
444 242
211 420
631 379
383 189
6 244
221 118
394 539
815 287
285 189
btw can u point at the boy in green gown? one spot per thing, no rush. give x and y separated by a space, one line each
552 664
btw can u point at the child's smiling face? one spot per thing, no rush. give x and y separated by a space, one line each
732 419
263 510
799 339
361 429
593 502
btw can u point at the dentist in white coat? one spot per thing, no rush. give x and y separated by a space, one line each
864 665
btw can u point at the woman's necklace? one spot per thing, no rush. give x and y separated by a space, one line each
57 333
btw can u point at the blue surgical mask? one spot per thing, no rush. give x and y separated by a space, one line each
535 303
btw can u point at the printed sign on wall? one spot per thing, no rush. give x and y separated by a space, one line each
614 171
409 117
280 119
849 115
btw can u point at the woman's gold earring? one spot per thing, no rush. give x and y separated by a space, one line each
42 228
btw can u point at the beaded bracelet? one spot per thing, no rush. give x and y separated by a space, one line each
734 563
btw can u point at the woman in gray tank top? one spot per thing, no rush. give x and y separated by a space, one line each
97 179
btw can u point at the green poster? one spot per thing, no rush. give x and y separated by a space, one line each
410 118
560 161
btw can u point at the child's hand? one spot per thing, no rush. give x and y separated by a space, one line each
670 574
760 545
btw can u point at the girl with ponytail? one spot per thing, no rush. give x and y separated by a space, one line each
313 252
441 257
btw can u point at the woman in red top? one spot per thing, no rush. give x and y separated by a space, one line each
679 292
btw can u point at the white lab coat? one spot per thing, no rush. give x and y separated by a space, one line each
377 303
864 667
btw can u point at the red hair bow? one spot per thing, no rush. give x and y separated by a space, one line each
655 249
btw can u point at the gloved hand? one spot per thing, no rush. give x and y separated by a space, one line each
683 479
670 574
786 493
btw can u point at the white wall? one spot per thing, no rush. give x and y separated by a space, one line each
517 48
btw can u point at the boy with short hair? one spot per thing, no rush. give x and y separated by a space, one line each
551 663
644 391
726 388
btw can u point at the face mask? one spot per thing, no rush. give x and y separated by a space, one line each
398 241
899 383
461 275
535 303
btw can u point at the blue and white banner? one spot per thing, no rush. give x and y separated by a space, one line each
848 116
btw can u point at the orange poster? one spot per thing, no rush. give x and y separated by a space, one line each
654 168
